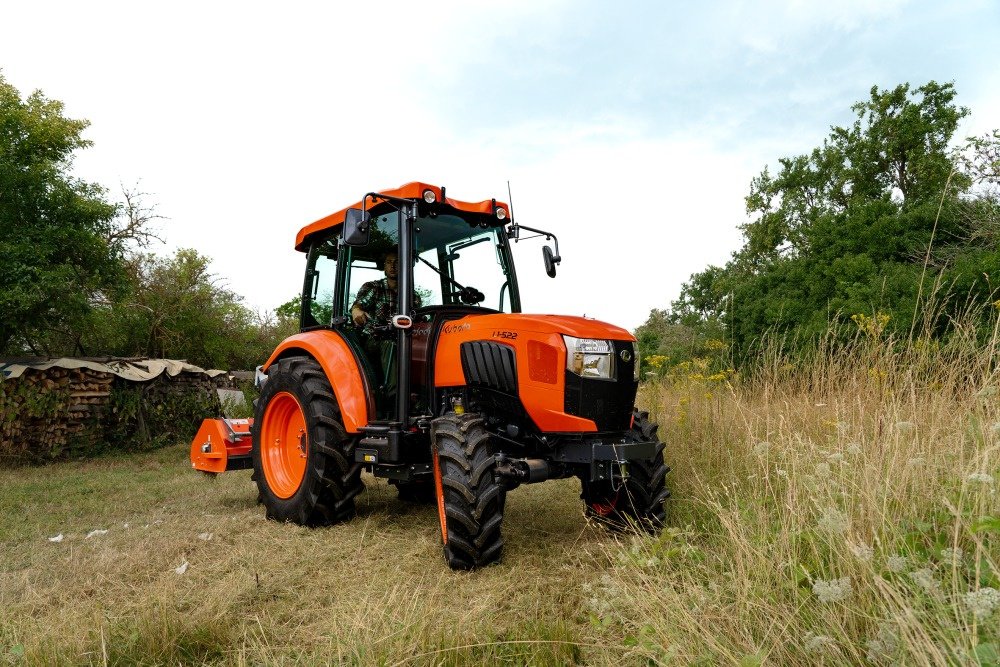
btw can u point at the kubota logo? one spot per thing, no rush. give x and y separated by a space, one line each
455 328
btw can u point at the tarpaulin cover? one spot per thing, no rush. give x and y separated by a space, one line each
134 370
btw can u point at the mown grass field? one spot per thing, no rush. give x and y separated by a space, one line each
837 511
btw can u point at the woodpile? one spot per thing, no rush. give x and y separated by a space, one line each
59 413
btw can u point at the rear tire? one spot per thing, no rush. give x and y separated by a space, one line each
639 500
470 501
303 459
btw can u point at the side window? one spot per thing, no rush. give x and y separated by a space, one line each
364 264
324 281
476 263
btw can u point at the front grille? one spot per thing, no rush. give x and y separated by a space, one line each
608 403
490 365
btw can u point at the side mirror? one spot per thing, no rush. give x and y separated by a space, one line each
357 227
550 261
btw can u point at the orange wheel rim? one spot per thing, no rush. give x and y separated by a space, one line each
439 490
608 508
284 444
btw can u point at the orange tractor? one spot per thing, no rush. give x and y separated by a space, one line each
415 363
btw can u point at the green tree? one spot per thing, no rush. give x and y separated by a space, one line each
846 228
58 252
175 307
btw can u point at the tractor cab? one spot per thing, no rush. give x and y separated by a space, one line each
454 256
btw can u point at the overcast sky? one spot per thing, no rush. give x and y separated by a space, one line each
630 129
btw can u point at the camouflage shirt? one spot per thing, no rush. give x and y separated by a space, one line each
378 300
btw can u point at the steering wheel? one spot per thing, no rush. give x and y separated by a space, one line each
470 295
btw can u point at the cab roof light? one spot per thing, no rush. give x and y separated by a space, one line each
429 196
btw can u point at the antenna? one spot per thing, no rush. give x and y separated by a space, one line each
515 230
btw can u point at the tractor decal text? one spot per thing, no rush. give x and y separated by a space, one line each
508 335
455 328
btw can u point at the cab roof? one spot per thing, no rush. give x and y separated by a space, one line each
413 190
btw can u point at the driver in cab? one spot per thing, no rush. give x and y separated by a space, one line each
374 307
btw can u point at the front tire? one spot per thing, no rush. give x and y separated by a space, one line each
470 501
303 459
638 501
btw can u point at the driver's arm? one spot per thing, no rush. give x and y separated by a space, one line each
360 311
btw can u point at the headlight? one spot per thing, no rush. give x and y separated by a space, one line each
590 358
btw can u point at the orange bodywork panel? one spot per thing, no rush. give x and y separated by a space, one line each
341 368
540 354
409 191
217 440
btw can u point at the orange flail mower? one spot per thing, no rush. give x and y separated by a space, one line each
415 363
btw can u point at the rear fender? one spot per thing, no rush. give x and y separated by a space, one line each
332 352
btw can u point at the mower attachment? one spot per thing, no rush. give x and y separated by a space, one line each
222 444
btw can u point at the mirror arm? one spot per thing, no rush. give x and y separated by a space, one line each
516 229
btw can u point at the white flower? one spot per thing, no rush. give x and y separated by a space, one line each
905 427
834 521
854 449
986 392
822 470
817 643
761 448
834 590
952 555
980 478
95 533
896 563
884 645
862 552
982 602
924 577
182 568
57 538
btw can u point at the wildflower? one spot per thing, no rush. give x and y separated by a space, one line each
761 448
952 555
884 644
862 552
982 602
980 478
817 643
833 521
836 457
924 577
905 428
854 449
834 590
896 563
988 391
822 470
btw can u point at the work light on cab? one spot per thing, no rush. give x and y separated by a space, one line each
429 196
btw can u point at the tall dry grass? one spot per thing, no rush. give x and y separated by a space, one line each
832 507
836 507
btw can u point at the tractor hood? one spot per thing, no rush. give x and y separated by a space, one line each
578 327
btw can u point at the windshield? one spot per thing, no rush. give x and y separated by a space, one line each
460 264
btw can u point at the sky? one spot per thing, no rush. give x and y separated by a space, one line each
631 130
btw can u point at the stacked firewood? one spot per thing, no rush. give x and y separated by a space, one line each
51 413
59 413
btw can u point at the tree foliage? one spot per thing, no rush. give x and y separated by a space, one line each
56 251
884 217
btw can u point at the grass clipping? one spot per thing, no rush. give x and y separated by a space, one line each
840 510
